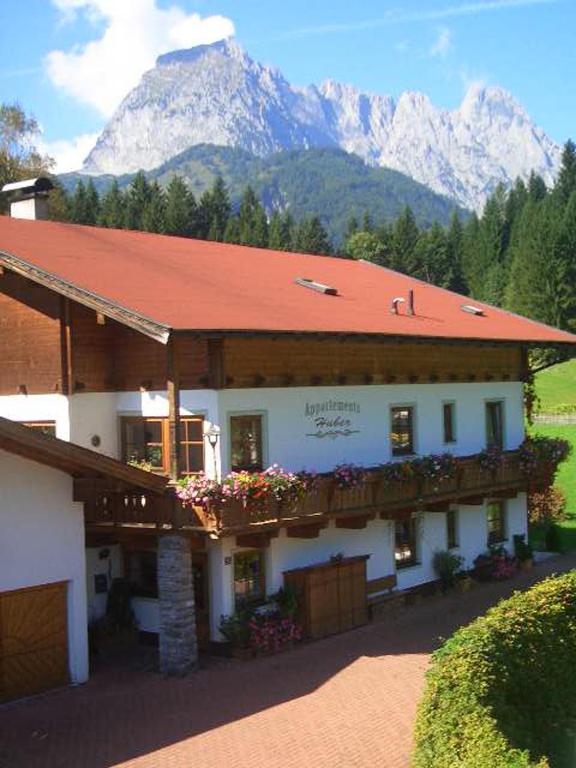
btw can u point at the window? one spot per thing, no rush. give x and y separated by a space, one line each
192 446
246 443
495 424
449 421
46 427
452 529
405 545
496 514
147 440
143 573
402 430
249 581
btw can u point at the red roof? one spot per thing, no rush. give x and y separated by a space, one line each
196 285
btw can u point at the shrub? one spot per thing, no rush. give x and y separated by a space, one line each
547 506
500 692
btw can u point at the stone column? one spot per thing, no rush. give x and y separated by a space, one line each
178 644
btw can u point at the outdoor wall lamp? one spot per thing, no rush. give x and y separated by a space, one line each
213 435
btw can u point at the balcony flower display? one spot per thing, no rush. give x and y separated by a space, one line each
491 459
396 471
437 467
274 484
348 476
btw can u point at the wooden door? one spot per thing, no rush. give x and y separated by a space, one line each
323 602
33 640
201 598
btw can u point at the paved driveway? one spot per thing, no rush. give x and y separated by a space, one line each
346 701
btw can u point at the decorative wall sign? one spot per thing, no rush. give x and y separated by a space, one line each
332 418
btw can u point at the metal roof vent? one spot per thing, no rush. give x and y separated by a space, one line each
306 282
472 310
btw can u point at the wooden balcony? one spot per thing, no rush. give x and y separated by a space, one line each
376 496
351 508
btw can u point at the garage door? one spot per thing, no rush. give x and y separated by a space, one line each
33 640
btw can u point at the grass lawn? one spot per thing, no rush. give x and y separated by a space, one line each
557 386
565 479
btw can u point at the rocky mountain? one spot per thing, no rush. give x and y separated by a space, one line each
217 94
327 182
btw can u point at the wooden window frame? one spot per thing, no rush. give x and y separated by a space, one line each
501 444
238 600
262 415
41 425
411 561
412 423
499 535
452 529
126 419
453 434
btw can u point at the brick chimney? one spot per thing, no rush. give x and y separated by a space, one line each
29 199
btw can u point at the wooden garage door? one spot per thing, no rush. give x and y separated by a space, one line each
33 640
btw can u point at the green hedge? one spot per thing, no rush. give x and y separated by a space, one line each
501 693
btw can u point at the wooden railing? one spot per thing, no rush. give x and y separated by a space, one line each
388 498
375 495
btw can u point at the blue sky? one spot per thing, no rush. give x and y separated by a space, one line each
69 62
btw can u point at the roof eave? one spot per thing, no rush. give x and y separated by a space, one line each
145 325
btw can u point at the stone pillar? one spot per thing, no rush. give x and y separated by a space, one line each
178 644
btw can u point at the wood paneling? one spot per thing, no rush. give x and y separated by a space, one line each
33 640
29 337
305 362
111 357
332 596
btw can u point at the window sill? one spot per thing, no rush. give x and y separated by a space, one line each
408 566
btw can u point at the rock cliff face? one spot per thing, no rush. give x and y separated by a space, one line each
216 94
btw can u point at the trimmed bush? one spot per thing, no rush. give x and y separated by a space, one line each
501 693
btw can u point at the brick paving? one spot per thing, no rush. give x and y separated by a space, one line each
345 702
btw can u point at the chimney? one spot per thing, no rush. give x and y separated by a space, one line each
410 305
29 199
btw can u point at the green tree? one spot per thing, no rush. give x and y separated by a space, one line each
112 207
232 231
404 238
454 279
92 204
311 237
137 198
19 157
154 216
367 246
79 205
566 181
181 216
214 211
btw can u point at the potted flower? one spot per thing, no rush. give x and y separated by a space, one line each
447 565
523 552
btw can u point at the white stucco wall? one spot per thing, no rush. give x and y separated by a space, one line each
38 408
288 427
42 542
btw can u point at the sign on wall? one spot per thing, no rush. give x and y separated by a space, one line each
332 418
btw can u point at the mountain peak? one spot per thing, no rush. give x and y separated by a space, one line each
227 47
217 94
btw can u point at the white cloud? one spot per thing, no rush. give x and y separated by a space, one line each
68 154
100 73
441 46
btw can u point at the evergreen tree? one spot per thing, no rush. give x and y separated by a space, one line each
79 205
253 221
154 216
112 207
566 181
232 231
311 237
276 232
214 211
351 227
404 238
137 198
92 212
454 279
431 257
536 187
181 216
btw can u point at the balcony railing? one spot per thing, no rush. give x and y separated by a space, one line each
378 495
374 495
